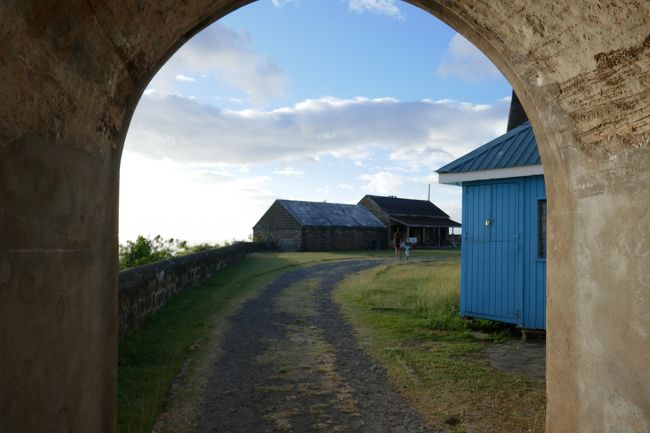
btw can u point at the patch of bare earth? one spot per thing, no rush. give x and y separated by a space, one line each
288 362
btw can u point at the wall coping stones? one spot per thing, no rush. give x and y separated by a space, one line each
143 290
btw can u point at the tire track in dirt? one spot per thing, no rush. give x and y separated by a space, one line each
291 363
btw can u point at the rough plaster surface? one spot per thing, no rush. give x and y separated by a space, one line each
72 71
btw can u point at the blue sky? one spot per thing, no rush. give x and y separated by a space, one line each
320 100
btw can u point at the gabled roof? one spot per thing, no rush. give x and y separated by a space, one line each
424 221
515 148
319 214
406 206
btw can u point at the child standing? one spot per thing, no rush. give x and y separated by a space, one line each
397 241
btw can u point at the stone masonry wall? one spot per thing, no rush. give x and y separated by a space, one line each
145 289
278 227
283 239
342 238
377 211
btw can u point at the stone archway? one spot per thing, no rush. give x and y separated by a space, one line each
71 73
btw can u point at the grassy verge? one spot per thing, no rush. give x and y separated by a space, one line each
416 255
151 357
407 316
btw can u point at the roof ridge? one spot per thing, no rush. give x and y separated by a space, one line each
483 151
307 213
399 198
315 202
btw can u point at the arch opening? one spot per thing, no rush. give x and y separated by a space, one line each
178 72
73 76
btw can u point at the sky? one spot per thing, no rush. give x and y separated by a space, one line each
317 100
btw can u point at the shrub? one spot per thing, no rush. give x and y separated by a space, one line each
191 249
145 250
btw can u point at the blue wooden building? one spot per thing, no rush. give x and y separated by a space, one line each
503 274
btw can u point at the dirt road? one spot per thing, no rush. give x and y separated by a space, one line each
291 363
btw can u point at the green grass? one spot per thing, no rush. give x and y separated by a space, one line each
430 297
151 357
311 257
407 316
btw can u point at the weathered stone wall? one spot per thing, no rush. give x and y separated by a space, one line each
374 209
342 238
278 227
377 211
284 240
145 289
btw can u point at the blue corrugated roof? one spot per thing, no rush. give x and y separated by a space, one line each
319 214
515 148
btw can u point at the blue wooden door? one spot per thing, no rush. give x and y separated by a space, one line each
492 267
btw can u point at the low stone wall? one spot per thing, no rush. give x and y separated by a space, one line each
143 290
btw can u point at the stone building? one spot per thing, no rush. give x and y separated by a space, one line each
412 218
312 226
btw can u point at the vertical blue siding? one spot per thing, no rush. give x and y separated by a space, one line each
534 268
501 276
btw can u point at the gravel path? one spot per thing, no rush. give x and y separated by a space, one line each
291 363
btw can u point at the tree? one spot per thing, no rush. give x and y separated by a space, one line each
144 250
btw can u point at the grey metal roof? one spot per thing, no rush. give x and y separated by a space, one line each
407 206
320 214
424 221
515 148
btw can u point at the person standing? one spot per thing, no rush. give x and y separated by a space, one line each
397 241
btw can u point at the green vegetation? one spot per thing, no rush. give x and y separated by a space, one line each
145 250
407 316
152 356
416 255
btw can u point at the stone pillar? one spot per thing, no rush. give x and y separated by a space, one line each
58 279
61 129
598 306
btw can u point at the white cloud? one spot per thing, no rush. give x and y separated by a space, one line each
185 78
428 179
195 202
418 133
382 183
465 61
382 7
345 186
228 56
280 3
288 171
240 101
